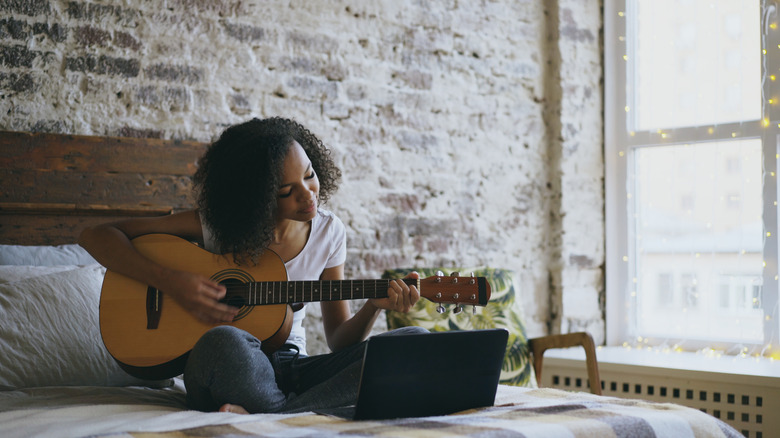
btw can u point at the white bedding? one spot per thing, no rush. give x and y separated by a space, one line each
76 411
44 255
523 412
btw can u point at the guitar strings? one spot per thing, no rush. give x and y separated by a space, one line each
280 292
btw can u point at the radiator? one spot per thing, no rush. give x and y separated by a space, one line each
743 392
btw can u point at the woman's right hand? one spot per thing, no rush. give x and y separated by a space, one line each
199 296
111 246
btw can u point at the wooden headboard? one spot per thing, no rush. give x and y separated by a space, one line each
54 185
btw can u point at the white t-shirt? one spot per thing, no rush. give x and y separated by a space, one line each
326 248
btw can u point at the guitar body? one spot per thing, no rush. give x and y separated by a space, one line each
150 335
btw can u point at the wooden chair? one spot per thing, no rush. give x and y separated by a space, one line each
539 345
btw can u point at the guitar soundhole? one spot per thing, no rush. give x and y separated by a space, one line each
233 299
236 295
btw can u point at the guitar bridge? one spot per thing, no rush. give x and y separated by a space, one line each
153 308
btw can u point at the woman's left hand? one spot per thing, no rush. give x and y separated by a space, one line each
400 296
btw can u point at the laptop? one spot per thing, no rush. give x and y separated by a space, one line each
418 375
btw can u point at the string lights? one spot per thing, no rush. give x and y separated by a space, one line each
735 351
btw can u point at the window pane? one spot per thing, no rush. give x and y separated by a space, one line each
697 66
698 239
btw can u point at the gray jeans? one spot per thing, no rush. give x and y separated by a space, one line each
227 366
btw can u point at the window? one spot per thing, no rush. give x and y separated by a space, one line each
692 129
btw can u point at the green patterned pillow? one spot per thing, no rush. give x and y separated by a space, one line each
502 311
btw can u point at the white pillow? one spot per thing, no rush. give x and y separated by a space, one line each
11 273
50 336
70 254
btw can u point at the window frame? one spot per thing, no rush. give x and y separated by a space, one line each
621 141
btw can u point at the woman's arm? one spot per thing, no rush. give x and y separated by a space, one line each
341 330
110 244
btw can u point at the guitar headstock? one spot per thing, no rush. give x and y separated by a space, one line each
454 289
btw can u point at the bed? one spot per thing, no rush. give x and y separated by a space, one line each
57 379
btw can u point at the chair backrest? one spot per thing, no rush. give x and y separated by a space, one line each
579 339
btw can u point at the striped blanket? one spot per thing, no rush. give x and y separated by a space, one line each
535 413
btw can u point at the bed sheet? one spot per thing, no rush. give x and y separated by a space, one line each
522 412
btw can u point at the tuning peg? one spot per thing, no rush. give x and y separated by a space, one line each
457 309
455 274
440 274
473 310
440 309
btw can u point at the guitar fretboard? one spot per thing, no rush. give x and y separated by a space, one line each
287 292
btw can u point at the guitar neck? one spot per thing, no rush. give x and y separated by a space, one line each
288 292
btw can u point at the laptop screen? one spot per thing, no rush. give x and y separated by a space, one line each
430 374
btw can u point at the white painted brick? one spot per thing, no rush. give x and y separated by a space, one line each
439 114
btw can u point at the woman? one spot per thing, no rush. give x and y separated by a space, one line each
259 187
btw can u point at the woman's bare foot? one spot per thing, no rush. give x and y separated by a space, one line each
235 409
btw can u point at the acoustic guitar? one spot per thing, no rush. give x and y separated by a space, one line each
150 335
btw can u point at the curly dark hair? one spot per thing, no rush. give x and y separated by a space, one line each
239 176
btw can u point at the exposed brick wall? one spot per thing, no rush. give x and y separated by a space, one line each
581 167
469 133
